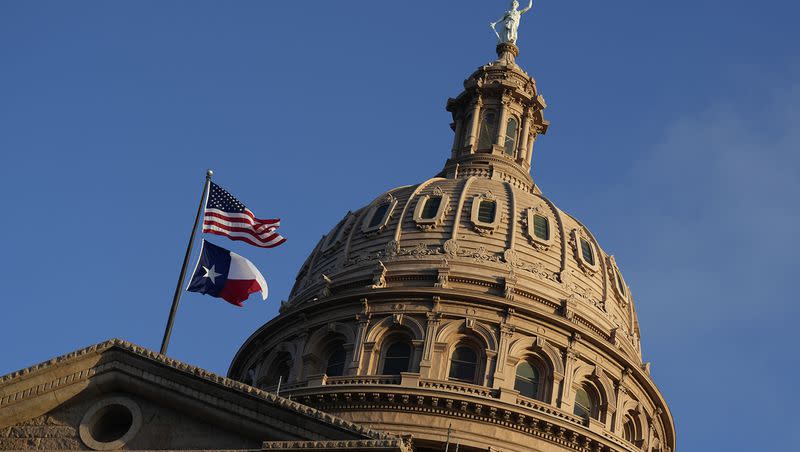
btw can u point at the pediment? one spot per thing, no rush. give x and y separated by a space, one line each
118 395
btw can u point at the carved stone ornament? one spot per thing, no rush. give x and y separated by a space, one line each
527 222
617 282
451 248
379 276
429 224
378 227
481 227
575 240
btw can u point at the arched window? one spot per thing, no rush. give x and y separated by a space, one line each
397 358
628 430
486 211
463 364
510 144
377 217
431 207
587 252
488 130
620 284
336 360
585 403
466 127
278 371
527 381
541 227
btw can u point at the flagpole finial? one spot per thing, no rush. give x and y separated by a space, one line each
209 173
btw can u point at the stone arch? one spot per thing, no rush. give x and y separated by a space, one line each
393 326
319 340
550 353
381 328
536 349
605 388
282 349
450 329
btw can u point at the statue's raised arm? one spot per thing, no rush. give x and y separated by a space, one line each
510 23
525 10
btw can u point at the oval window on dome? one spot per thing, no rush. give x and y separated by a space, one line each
487 209
541 227
587 252
430 208
488 130
378 216
510 144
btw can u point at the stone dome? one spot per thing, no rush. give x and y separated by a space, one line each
468 305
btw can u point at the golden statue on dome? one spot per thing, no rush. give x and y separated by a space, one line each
510 23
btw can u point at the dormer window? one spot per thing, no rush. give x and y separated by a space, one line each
431 207
488 130
485 215
538 227
510 144
541 227
377 217
486 211
587 252
617 281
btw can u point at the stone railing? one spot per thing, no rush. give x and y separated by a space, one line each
459 388
365 380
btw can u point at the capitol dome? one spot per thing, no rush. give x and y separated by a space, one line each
468 306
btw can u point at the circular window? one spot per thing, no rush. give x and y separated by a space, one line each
110 423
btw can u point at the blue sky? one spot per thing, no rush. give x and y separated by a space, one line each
674 138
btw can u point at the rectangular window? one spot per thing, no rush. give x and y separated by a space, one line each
541 227
586 251
377 217
431 207
486 211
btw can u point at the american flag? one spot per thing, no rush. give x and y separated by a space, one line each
226 215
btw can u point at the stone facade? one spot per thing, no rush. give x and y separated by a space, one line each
466 307
477 263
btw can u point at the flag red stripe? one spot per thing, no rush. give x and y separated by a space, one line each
261 231
238 217
245 239
265 236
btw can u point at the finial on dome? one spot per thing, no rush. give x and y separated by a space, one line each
510 23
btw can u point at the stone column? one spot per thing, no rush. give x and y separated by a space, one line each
506 332
522 150
434 319
505 102
566 398
356 365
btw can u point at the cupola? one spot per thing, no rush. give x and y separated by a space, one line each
496 120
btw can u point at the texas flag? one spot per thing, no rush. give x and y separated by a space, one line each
224 274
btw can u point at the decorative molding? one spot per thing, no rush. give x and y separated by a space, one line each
484 228
575 240
527 221
429 224
370 230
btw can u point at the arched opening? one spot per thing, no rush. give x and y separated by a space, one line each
488 130
628 429
335 363
527 380
587 252
463 364
397 358
510 144
278 371
378 216
586 402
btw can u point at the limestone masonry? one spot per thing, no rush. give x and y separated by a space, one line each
467 307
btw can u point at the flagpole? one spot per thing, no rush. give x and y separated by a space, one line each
179 288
